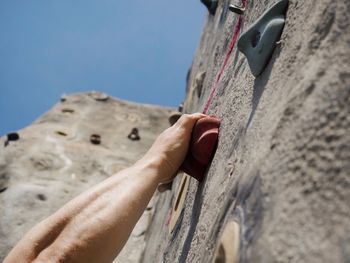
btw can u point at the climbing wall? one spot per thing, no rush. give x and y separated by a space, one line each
82 140
278 187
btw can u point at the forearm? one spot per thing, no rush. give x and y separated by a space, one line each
94 226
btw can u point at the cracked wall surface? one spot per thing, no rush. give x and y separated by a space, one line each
282 166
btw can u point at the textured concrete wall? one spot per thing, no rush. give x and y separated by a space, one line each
54 160
278 188
282 167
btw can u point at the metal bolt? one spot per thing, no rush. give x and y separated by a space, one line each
239 10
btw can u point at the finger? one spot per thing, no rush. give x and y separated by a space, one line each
188 120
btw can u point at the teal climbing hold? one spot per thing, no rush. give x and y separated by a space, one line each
259 41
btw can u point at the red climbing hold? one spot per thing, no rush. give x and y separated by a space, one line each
202 147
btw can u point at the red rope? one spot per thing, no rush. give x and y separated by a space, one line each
233 41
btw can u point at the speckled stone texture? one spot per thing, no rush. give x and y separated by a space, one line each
54 160
282 168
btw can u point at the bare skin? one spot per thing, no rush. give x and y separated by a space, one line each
95 226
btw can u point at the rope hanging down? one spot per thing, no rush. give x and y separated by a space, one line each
233 42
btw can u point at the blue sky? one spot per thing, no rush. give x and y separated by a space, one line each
136 50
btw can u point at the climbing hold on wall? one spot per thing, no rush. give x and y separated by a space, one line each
236 9
211 5
13 136
181 107
198 82
195 89
61 133
202 147
95 139
227 250
259 41
63 98
134 135
165 187
66 132
179 202
99 96
41 197
174 117
67 110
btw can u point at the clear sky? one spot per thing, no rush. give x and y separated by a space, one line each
136 50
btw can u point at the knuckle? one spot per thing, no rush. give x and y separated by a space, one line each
187 118
183 120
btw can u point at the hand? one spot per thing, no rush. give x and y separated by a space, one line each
170 148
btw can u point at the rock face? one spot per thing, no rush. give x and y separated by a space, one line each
78 143
281 171
278 188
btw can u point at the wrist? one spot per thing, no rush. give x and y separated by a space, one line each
158 166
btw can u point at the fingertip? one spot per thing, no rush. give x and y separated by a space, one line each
190 119
199 115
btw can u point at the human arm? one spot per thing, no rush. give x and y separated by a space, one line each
94 226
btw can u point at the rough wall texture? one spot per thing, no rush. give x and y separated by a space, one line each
281 170
54 160
282 167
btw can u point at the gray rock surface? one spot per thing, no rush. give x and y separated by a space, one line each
54 160
282 167
281 170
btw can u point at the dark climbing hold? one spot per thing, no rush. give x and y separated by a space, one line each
99 96
259 41
134 135
239 10
181 107
14 136
211 5
66 110
63 98
95 139
61 133
165 187
202 147
41 197
174 117
3 190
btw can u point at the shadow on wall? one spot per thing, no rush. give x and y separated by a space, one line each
198 200
260 84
